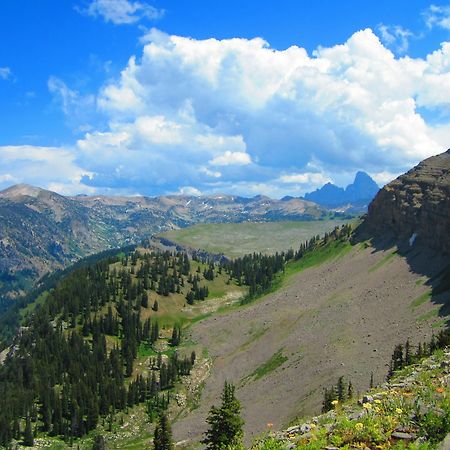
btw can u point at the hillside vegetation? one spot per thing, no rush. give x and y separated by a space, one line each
239 239
41 231
411 411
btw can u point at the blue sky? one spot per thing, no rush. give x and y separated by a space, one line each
137 97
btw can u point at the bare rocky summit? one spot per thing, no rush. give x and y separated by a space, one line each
415 207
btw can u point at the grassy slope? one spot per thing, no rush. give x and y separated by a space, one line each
414 402
238 239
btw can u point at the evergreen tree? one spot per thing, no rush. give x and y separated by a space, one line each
28 438
341 391
163 434
225 422
99 443
350 390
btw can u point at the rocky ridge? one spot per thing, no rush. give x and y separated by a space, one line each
356 196
415 207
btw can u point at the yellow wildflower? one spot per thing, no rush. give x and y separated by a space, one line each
367 406
399 411
359 426
377 401
335 402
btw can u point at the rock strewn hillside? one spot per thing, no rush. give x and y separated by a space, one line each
416 205
407 412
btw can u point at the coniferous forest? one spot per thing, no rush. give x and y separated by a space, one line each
73 360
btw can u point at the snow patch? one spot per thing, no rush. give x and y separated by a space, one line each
412 239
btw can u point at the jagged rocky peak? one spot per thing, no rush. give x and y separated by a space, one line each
415 207
362 190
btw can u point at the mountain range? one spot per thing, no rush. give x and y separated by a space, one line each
41 231
356 195
282 328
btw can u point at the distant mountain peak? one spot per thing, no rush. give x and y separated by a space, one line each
361 191
21 190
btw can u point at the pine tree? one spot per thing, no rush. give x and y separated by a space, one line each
225 422
28 438
350 390
408 356
341 391
163 434
99 443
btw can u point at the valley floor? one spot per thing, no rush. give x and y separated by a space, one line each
342 317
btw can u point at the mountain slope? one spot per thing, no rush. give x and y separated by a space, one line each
340 317
337 317
41 231
410 410
357 195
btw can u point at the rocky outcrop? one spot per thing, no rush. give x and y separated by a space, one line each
358 194
415 207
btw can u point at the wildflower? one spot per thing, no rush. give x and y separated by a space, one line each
312 426
359 426
335 402
399 411
377 401
367 406
270 425
440 390
377 410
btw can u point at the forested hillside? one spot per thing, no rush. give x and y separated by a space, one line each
41 231
77 356
74 358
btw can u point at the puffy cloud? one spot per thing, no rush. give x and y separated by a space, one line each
121 12
5 73
189 190
278 121
51 168
308 178
231 158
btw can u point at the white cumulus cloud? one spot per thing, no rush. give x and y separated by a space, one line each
283 121
231 158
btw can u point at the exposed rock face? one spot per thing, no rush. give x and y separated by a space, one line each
416 205
358 194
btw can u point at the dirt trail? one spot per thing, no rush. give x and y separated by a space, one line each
341 318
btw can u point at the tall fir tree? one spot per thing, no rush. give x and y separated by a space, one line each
225 422
162 439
